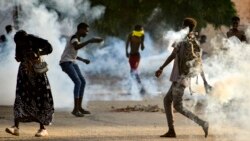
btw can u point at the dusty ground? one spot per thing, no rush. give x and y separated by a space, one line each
105 125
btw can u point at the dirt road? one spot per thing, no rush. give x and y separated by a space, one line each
106 125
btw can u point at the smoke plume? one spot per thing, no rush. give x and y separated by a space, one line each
108 74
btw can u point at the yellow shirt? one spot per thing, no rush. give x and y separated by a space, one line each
138 33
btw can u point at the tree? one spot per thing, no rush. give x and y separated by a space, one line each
121 15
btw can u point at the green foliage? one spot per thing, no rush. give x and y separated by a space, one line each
216 12
121 15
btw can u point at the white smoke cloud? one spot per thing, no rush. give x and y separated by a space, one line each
6 4
175 37
68 7
108 61
227 70
36 19
8 73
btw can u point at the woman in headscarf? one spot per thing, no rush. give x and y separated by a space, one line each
33 102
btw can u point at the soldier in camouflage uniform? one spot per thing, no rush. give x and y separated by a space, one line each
187 64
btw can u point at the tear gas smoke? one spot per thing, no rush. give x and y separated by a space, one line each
108 75
36 19
228 71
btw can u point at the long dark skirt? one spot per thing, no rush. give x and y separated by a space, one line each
34 102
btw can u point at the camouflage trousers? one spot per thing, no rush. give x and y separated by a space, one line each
174 96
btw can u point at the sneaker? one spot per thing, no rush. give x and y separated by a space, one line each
84 111
169 134
77 113
41 133
13 130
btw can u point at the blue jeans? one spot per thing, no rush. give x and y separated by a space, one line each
75 75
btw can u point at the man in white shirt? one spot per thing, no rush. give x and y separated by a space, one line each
69 66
